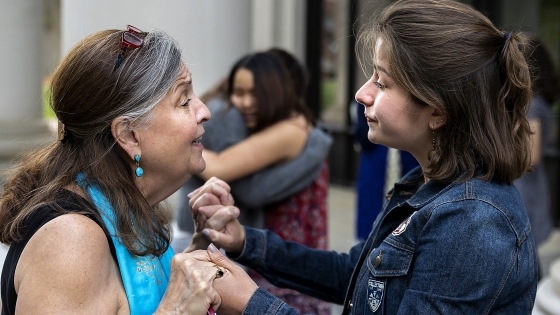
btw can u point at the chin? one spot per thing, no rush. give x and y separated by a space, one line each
199 168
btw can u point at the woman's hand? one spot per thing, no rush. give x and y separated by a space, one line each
215 217
190 288
235 287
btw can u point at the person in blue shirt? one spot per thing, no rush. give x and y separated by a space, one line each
379 168
453 90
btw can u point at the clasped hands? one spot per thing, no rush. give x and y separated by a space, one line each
215 218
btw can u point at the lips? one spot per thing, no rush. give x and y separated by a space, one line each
250 118
197 140
369 119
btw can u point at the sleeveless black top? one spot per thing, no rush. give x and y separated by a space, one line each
69 203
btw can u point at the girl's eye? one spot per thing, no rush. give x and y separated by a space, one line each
186 103
379 85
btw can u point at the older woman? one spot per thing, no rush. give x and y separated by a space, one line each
82 216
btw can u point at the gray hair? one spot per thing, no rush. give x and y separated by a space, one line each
88 94
150 74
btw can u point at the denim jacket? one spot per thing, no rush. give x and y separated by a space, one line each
453 248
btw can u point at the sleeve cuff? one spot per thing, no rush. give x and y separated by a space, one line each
264 303
254 249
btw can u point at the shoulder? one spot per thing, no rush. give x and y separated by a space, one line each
497 195
78 226
318 141
292 131
490 206
67 259
293 126
65 243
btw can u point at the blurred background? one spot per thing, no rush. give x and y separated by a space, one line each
215 33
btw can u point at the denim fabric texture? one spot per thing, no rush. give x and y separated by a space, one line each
437 248
263 302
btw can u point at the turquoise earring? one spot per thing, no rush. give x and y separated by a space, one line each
139 171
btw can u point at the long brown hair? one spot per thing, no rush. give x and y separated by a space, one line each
449 56
274 90
87 95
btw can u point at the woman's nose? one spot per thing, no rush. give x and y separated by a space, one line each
247 101
203 113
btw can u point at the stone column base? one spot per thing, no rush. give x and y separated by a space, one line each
18 138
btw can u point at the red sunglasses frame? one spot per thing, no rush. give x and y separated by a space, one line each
129 38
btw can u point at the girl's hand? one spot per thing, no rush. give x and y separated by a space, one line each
235 287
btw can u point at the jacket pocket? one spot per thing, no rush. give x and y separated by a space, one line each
390 260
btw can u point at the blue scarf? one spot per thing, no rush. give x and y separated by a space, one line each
145 278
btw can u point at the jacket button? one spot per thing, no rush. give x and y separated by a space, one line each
350 304
378 259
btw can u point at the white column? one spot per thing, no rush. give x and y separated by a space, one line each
262 29
278 23
21 124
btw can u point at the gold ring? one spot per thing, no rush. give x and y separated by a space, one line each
219 272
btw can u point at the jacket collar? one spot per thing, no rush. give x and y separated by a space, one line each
422 193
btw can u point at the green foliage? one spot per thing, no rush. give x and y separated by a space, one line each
47 110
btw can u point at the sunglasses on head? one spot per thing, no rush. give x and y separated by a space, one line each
130 39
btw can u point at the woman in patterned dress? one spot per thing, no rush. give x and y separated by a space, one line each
262 89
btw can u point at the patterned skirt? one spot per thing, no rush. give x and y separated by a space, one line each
301 218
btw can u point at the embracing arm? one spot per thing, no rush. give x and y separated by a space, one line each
273 183
276 144
279 182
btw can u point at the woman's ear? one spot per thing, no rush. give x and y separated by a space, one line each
124 136
437 120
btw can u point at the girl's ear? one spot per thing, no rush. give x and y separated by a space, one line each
437 120
124 136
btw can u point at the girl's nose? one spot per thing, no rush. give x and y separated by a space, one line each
366 94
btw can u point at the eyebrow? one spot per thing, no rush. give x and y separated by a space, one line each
383 70
182 83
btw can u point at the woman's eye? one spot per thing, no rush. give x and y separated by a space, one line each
186 103
379 85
